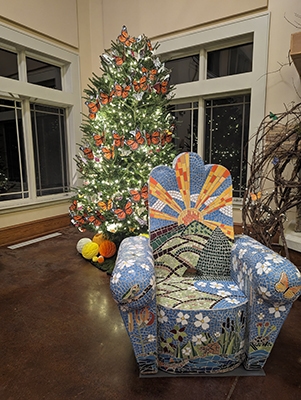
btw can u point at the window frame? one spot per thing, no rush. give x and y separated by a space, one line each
217 37
68 98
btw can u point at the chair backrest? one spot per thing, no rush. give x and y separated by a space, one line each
190 218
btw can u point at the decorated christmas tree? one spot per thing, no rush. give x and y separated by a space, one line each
126 133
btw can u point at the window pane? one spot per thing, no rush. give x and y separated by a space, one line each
13 179
8 64
43 74
227 127
50 148
186 126
230 61
184 69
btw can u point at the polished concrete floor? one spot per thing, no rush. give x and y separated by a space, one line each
62 338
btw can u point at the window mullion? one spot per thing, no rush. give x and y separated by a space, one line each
22 66
201 128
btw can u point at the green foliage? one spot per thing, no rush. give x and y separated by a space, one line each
127 132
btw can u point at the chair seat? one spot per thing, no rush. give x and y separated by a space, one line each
188 293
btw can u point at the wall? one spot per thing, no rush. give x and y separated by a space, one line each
55 19
159 18
283 83
88 26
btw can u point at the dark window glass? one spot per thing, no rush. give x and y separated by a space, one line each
43 74
230 61
186 126
226 136
13 177
50 149
183 69
8 64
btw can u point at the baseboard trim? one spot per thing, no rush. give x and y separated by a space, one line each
33 229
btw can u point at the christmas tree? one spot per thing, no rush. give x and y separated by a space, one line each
127 132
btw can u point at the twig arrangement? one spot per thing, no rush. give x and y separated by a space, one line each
274 185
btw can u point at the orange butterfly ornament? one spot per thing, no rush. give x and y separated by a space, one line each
93 108
153 138
118 140
137 195
141 85
106 98
136 141
99 139
125 38
122 91
161 87
282 286
105 205
122 213
87 152
108 153
166 138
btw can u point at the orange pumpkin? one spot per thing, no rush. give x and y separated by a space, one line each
98 238
107 248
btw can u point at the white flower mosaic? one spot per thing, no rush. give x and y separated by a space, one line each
116 277
145 266
216 285
151 338
276 310
199 339
223 293
263 268
162 317
232 301
202 321
182 318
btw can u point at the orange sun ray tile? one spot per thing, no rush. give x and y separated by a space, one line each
160 193
182 170
216 177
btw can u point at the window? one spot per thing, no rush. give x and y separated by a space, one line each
39 108
185 69
226 136
43 74
49 139
186 127
13 175
220 76
229 61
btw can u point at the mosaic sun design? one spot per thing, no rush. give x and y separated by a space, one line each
209 200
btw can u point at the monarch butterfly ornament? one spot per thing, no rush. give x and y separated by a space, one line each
125 38
137 195
137 140
99 139
153 138
282 286
122 213
121 91
87 152
93 108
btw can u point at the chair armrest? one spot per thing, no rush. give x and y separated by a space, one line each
133 279
270 275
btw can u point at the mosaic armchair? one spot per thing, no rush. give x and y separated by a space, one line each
193 298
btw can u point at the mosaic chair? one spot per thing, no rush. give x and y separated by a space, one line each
194 299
